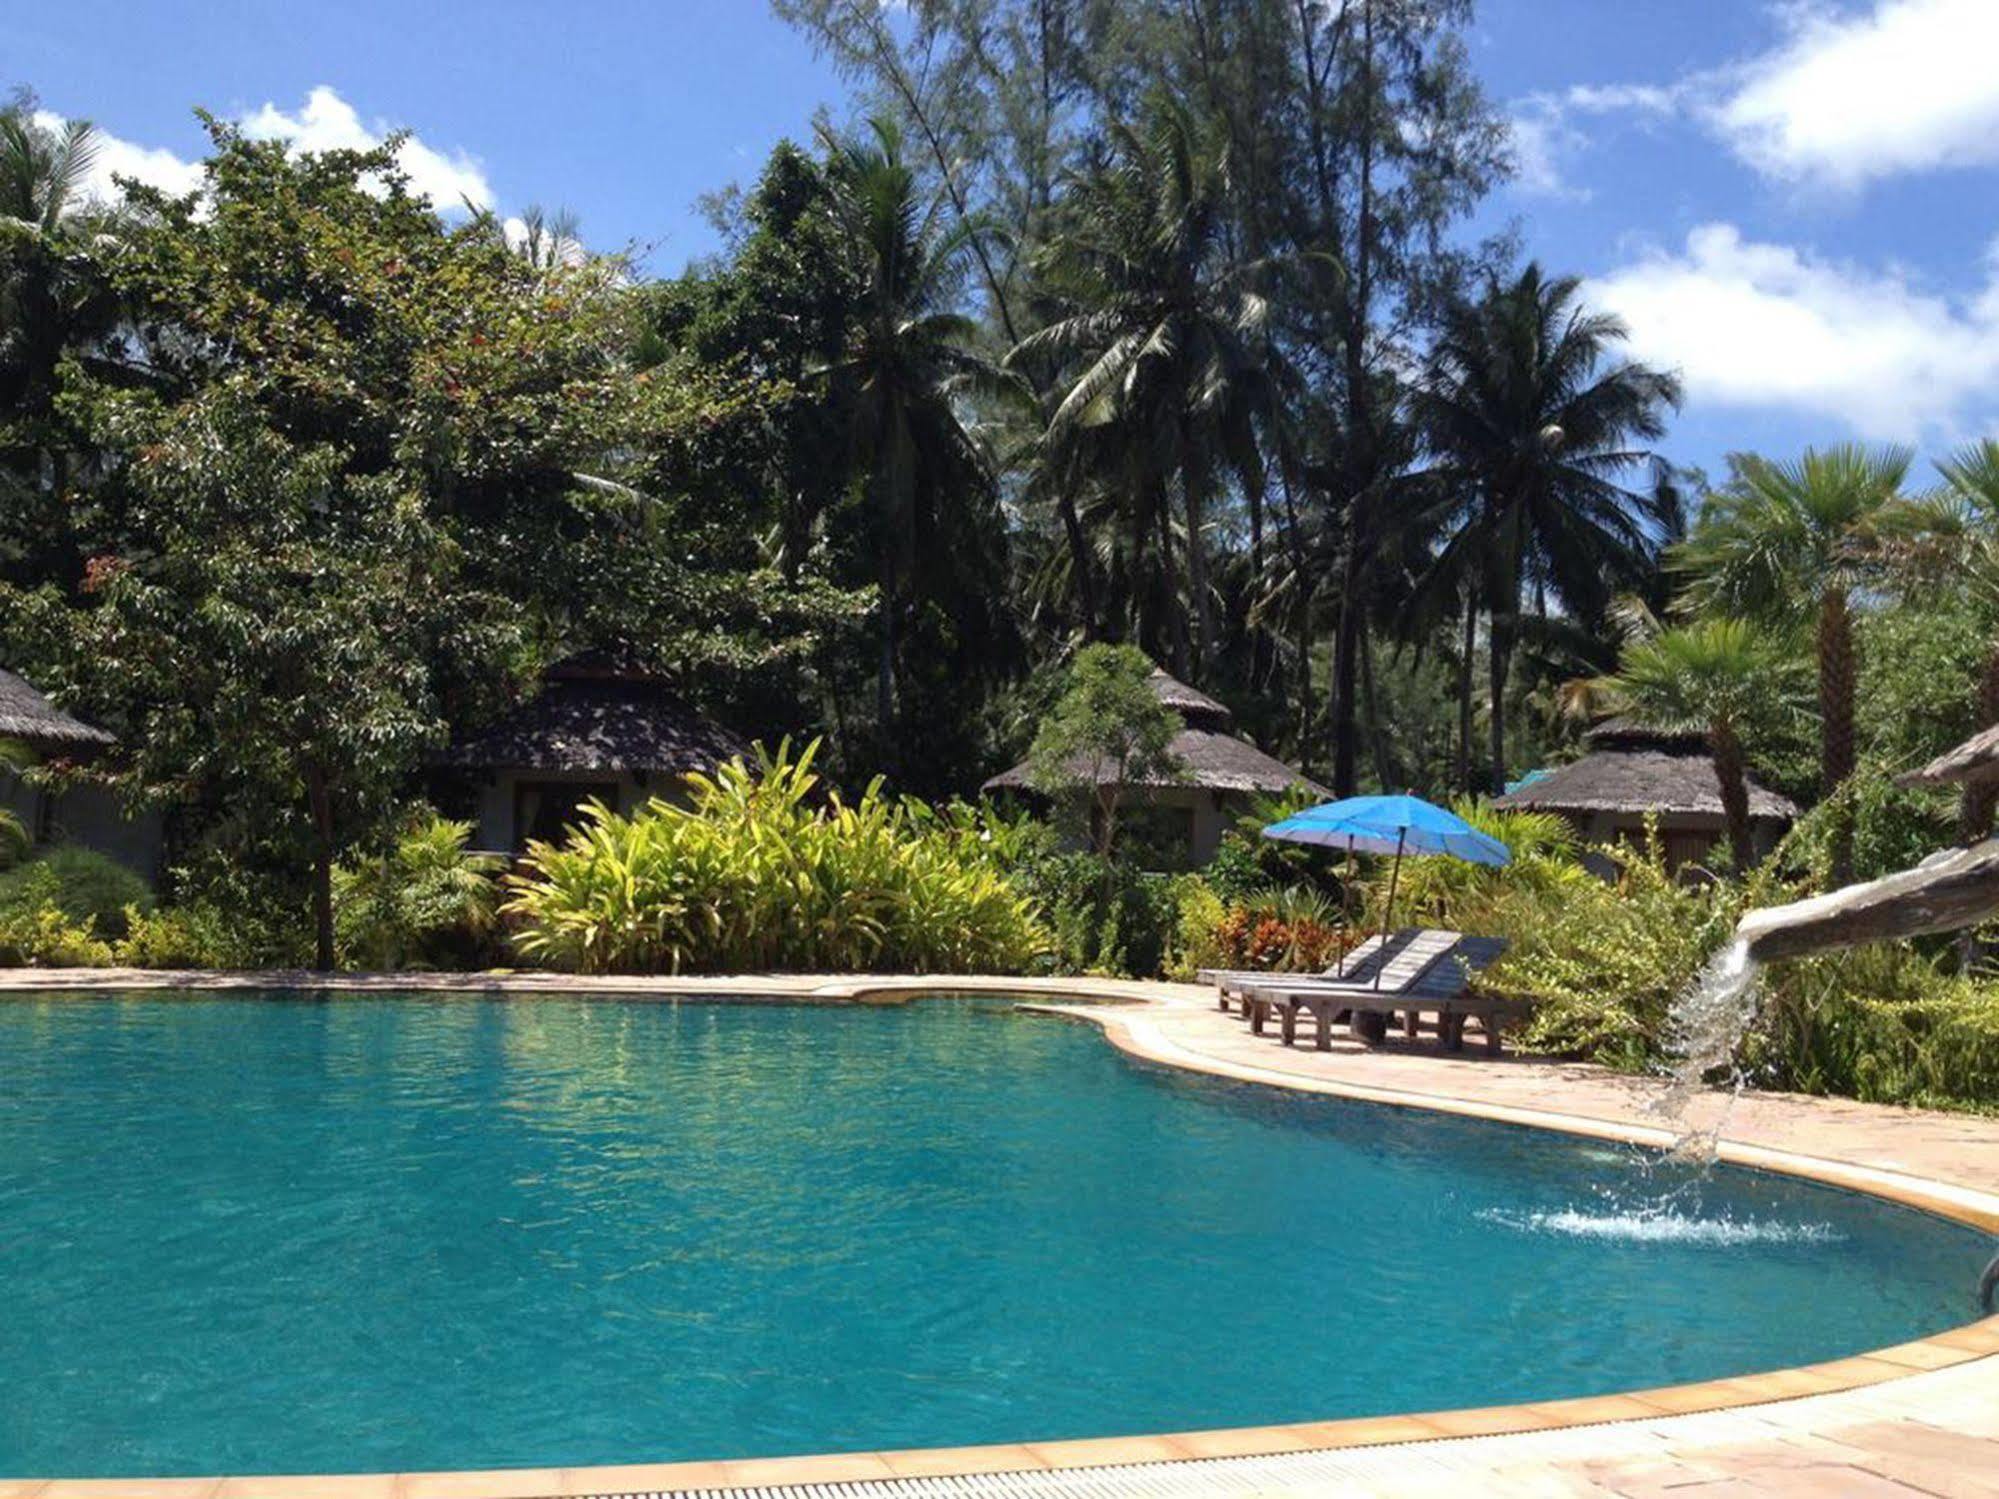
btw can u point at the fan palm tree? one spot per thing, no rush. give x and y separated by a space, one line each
1531 427
1788 544
1950 545
1712 678
905 357
1155 341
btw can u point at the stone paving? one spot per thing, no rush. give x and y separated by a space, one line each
1919 1420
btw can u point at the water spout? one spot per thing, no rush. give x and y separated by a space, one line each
1948 891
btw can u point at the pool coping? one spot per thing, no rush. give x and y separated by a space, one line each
1127 1012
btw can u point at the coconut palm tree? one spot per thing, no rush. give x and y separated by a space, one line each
1532 428
1711 677
905 357
1155 341
1788 544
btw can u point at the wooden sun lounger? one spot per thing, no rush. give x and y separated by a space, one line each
1330 999
1444 992
1437 986
1359 963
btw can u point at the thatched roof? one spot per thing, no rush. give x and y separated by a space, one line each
1638 780
26 715
599 714
1977 759
1197 708
1211 758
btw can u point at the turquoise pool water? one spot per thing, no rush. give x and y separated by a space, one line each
297 1235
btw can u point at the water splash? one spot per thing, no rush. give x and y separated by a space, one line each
1704 1030
1654 1225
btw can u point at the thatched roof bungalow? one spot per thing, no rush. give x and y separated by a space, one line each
1630 773
604 726
1220 773
26 715
78 813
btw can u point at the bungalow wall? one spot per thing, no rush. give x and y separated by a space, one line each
1698 838
509 807
90 817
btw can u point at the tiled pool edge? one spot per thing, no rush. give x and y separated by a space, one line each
1132 1027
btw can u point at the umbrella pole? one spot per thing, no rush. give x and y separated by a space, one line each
1346 912
1394 874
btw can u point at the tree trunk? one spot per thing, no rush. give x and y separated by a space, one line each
1079 559
1193 485
1836 686
1384 763
1499 641
1346 654
1466 677
1177 621
320 797
1733 773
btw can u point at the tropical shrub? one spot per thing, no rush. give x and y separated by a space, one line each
84 885
1103 915
188 936
1885 1023
424 902
759 873
14 841
39 935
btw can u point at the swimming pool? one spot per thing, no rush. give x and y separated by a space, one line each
338 1234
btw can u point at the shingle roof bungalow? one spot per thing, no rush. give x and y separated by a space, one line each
604 726
1631 772
1220 772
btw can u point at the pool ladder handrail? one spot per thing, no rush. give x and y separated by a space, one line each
1988 1285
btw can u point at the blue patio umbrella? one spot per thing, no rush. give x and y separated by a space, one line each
1390 825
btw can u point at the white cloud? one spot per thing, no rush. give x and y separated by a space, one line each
153 165
1542 142
1768 325
327 122
1907 86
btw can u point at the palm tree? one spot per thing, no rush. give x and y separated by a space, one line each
49 299
1711 677
1156 343
905 356
1788 543
1531 430
1951 542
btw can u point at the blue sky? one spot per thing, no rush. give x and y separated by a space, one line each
1792 203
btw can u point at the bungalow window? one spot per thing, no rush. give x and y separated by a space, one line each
544 811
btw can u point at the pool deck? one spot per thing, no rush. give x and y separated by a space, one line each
1918 1419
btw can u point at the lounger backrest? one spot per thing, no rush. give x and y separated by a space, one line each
1414 958
1364 956
1450 977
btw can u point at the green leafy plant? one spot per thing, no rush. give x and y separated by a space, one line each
1109 732
424 902
84 885
761 871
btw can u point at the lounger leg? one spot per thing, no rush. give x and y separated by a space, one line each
1454 1033
1290 1024
1492 1029
1325 1014
1412 1022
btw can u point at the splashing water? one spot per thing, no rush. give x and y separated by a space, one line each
1704 1029
1662 1225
